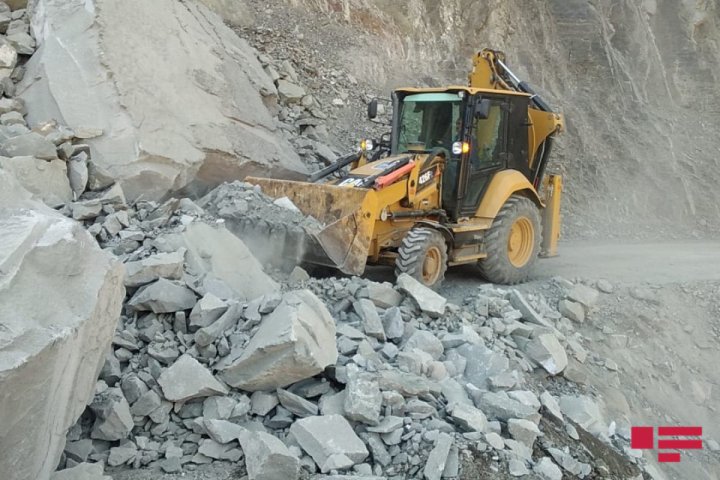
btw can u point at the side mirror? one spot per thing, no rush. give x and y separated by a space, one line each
482 109
372 109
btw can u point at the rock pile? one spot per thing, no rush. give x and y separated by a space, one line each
338 376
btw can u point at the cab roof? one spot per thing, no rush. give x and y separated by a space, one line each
456 88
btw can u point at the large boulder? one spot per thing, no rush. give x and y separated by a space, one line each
293 343
179 96
61 297
47 181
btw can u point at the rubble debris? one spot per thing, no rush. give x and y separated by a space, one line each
330 441
186 379
429 301
293 343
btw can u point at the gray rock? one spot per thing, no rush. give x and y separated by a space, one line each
437 458
495 441
82 471
371 320
293 343
154 267
187 379
212 449
499 406
546 350
231 130
86 210
584 411
23 43
296 404
570 464
465 335
267 458
547 470
517 468
551 405
112 416
326 438
393 323
218 408
163 296
46 181
77 175
482 364
425 341
572 310
427 300
583 294
469 418
222 431
333 404
29 145
208 309
12 118
263 402
387 425
383 295
98 178
290 92
517 300
363 399
523 431
605 286
146 404
207 335
379 452
121 455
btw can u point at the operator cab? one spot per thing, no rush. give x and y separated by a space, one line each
470 128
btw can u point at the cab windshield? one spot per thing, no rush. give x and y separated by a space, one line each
428 120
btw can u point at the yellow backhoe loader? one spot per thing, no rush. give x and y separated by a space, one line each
457 181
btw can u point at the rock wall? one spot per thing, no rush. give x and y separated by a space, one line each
61 298
180 98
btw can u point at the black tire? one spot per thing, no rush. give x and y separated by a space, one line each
498 266
420 249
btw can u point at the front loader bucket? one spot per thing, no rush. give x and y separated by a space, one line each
344 240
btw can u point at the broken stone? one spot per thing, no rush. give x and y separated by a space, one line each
263 402
583 410
427 300
163 296
28 145
523 431
187 379
371 320
212 449
518 301
81 471
546 350
383 295
495 441
222 431
77 175
327 437
47 181
86 210
573 311
146 404
290 92
547 470
296 404
218 408
393 323
552 405
498 405
206 335
98 178
437 458
425 341
208 309
293 343
469 418
570 464
267 458
113 419
121 455
154 267
363 399
584 295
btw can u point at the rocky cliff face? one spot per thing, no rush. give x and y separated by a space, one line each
637 81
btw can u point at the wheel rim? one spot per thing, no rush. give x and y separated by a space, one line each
431 266
521 242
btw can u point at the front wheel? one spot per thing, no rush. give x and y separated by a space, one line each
513 242
423 256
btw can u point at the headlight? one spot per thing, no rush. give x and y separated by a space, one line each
367 145
459 148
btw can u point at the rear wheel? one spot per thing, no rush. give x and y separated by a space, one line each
423 256
513 242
